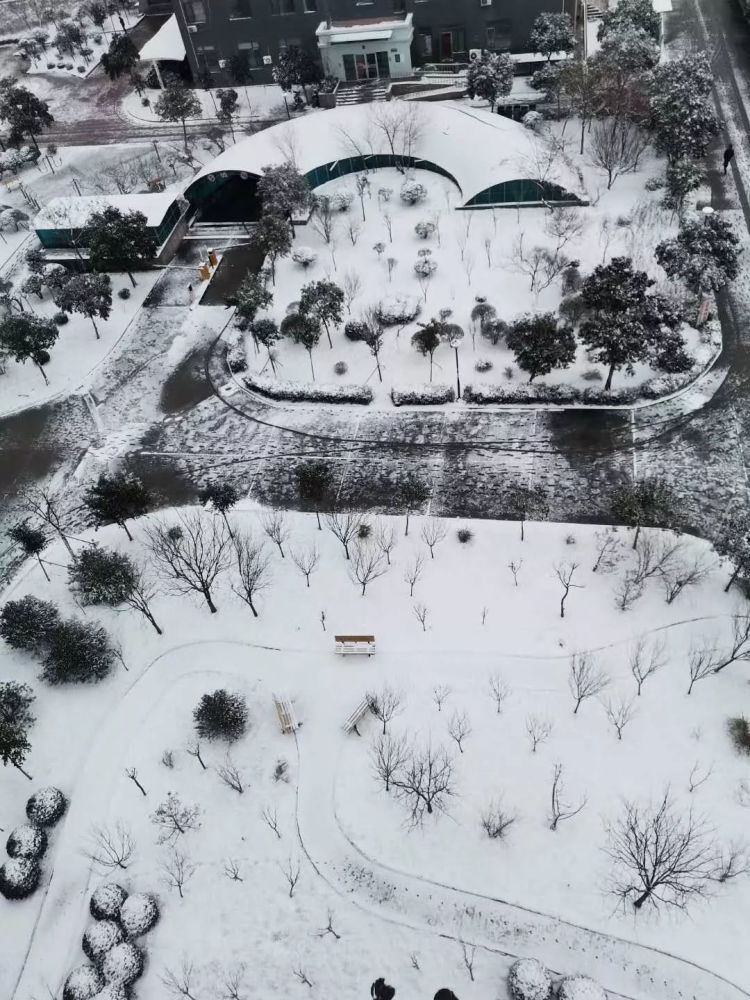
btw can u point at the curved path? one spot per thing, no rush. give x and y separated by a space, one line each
626 968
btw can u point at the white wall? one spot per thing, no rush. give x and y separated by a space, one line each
333 56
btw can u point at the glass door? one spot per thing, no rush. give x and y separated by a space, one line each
384 69
350 69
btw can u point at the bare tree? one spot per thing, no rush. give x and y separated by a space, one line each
616 147
275 526
191 555
50 509
701 663
133 775
425 781
628 590
231 775
740 649
329 928
291 873
496 820
585 679
608 546
181 982
659 856
413 572
698 777
300 973
253 569
564 225
173 818
388 755
499 690
646 660
345 526
655 555
564 573
540 265
306 560
515 568
682 574
110 847
539 729
469 952
367 564
439 693
421 613
731 862
232 870
619 713
352 286
559 809
459 729
176 870
433 532
271 819
233 982
385 539
386 705
194 750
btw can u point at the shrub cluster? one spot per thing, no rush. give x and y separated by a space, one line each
423 395
398 310
27 841
19 877
303 392
45 807
20 874
528 979
221 715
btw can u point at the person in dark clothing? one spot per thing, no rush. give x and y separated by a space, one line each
728 156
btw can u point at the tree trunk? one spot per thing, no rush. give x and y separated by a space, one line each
732 579
229 527
636 536
328 334
211 606
638 903
150 617
130 275
184 132
124 527
522 525
311 365
608 383
46 574
24 773
578 705
44 374
317 514
280 549
407 524
252 607
96 331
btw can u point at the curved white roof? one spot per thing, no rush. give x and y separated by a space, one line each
477 148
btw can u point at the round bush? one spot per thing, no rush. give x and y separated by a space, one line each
83 983
425 268
304 256
124 293
19 877
42 357
27 842
341 201
355 330
425 230
529 980
46 806
112 991
341 367
364 531
106 901
99 938
412 192
123 964
398 310
138 914
483 365
61 318
464 535
580 988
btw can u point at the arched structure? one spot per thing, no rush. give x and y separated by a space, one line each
493 161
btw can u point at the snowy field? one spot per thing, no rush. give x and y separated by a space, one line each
359 859
256 101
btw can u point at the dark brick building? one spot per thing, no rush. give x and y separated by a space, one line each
436 30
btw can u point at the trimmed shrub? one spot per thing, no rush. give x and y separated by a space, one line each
529 980
739 731
19 877
221 716
341 368
494 330
309 392
78 652
83 983
61 318
364 531
425 267
28 623
99 938
464 535
138 914
398 310
27 841
112 991
46 807
425 230
341 201
580 988
304 256
483 365
123 964
355 330
107 901
124 293
422 395
412 192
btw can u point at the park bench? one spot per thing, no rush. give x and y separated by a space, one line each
286 714
355 645
350 726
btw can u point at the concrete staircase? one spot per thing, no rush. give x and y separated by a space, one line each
362 92
220 231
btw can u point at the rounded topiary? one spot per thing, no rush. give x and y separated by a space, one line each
107 901
123 964
464 535
99 938
61 318
124 293
138 914
355 330
412 192
83 983
19 877
27 842
580 988
483 365
529 980
341 368
42 357
46 806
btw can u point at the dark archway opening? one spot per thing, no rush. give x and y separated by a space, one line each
227 199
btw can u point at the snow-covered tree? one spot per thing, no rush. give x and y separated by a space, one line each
541 343
15 721
650 502
89 294
177 103
77 652
704 254
681 110
103 576
582 82
617 146
490 77
266 333
315 486
28 623
252 568
283 191
733 542
528 979
682 177
295 68
427 340
117 498
221 715
551 33
119 241
32 540
324 301
622 64
273 237
25 337
250 298
304 329
526 503
631 13
24 112
173 817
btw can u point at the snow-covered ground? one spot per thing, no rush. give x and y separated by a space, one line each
58 64
356 854
255 101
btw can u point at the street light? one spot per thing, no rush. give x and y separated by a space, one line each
456 337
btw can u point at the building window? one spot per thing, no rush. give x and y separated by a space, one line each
311 6
195 11
498 35
425 42
206 56
282 6
399 6
254 58
287 44
240 9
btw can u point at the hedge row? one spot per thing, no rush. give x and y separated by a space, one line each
309 392
424 395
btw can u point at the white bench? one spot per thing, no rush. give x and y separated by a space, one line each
355 645
350 726
285 713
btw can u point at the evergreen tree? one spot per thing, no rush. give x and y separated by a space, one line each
27 338
552 33
177 103
221 716
704 254
266 333
89 294
631 13
582 81
15 721
733 542
541 343
324 301
119 242
315 485
295 68
32 540
118 498
414 493
681 111
304 330
622 65
222 497
228 99
490 77
25 113
428 339
251 296
121 57
103 576
682 177
649 502
28 623
283 191
526 503
77 652
273 237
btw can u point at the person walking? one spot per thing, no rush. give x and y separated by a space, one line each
728 156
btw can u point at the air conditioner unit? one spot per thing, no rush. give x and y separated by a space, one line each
192 28
474 54
485 3
267 61
222 64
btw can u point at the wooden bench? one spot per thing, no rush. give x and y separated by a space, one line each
350 726
355 645
285 713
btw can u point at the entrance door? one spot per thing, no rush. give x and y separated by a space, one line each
384 69
446 45
350 69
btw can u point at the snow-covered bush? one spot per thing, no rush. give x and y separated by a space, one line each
425 267
27 842
83 983
580 988
494 330
532 120
106 901
19 877
355 330
304 256
123 964
529 980
398 310
237 355
46 806
112 991
309 392
482 365
341 368
412 192
422 395
425 230
99 938
341 201
138 914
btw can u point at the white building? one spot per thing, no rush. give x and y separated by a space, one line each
367 48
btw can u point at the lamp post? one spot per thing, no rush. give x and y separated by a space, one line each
455 341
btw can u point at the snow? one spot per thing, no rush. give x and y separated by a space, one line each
256 101
138 914
100 937
70 212
122 964
166 44
98 40
581 988
529 980
26 842
531 894
82 983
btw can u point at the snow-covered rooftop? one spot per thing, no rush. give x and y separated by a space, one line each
166 44
74 213
478 149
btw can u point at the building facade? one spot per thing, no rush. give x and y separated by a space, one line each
439 31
